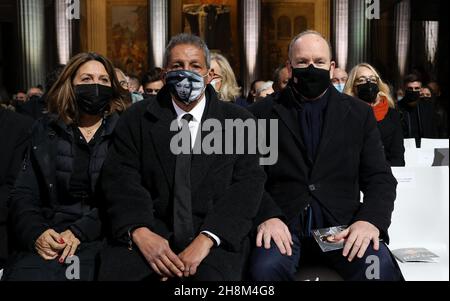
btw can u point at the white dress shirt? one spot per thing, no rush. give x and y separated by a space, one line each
194 125
197 114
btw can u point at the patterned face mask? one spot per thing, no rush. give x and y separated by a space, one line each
186 86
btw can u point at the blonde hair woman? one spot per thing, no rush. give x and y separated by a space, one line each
365 83
224 80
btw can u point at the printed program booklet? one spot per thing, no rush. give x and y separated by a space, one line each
415 255
321 237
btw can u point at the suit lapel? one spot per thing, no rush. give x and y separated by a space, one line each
337 110
163 115
201 163
288 113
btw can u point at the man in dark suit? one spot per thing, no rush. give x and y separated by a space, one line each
329 150
417 114
181 216
14 138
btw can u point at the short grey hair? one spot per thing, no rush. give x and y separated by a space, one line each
265 86
187 39
305 33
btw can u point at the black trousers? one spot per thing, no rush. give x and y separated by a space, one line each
3 236
29 266
117 263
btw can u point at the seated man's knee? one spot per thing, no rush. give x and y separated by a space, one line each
380 265
267 265
389 270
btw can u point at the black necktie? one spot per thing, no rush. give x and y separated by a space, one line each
183 226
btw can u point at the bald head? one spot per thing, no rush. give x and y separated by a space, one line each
310 36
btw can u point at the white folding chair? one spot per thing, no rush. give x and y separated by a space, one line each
421 219
410 143
419 157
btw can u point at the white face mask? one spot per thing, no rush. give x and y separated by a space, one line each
186 86
215 83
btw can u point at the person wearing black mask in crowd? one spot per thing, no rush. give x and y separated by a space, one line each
20 96
54 210
427 95
329 151
417 115
36 106
366 84
152 82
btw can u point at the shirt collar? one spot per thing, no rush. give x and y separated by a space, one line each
197 111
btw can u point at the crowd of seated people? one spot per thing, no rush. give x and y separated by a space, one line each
87 168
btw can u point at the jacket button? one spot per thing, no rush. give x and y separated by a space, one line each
312 188
35 147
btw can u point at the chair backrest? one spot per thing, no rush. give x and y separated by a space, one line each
421 214
419 157
410 143
434 143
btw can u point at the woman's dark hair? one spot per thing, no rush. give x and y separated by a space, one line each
53 76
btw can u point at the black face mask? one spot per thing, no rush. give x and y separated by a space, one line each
93 99
368 92
426 99
411 96
310 82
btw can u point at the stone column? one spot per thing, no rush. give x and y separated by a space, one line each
340 32
251 38
402 35
159 30
32 36
358 32
63 31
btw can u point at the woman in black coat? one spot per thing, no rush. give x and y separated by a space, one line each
54 211
365 83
